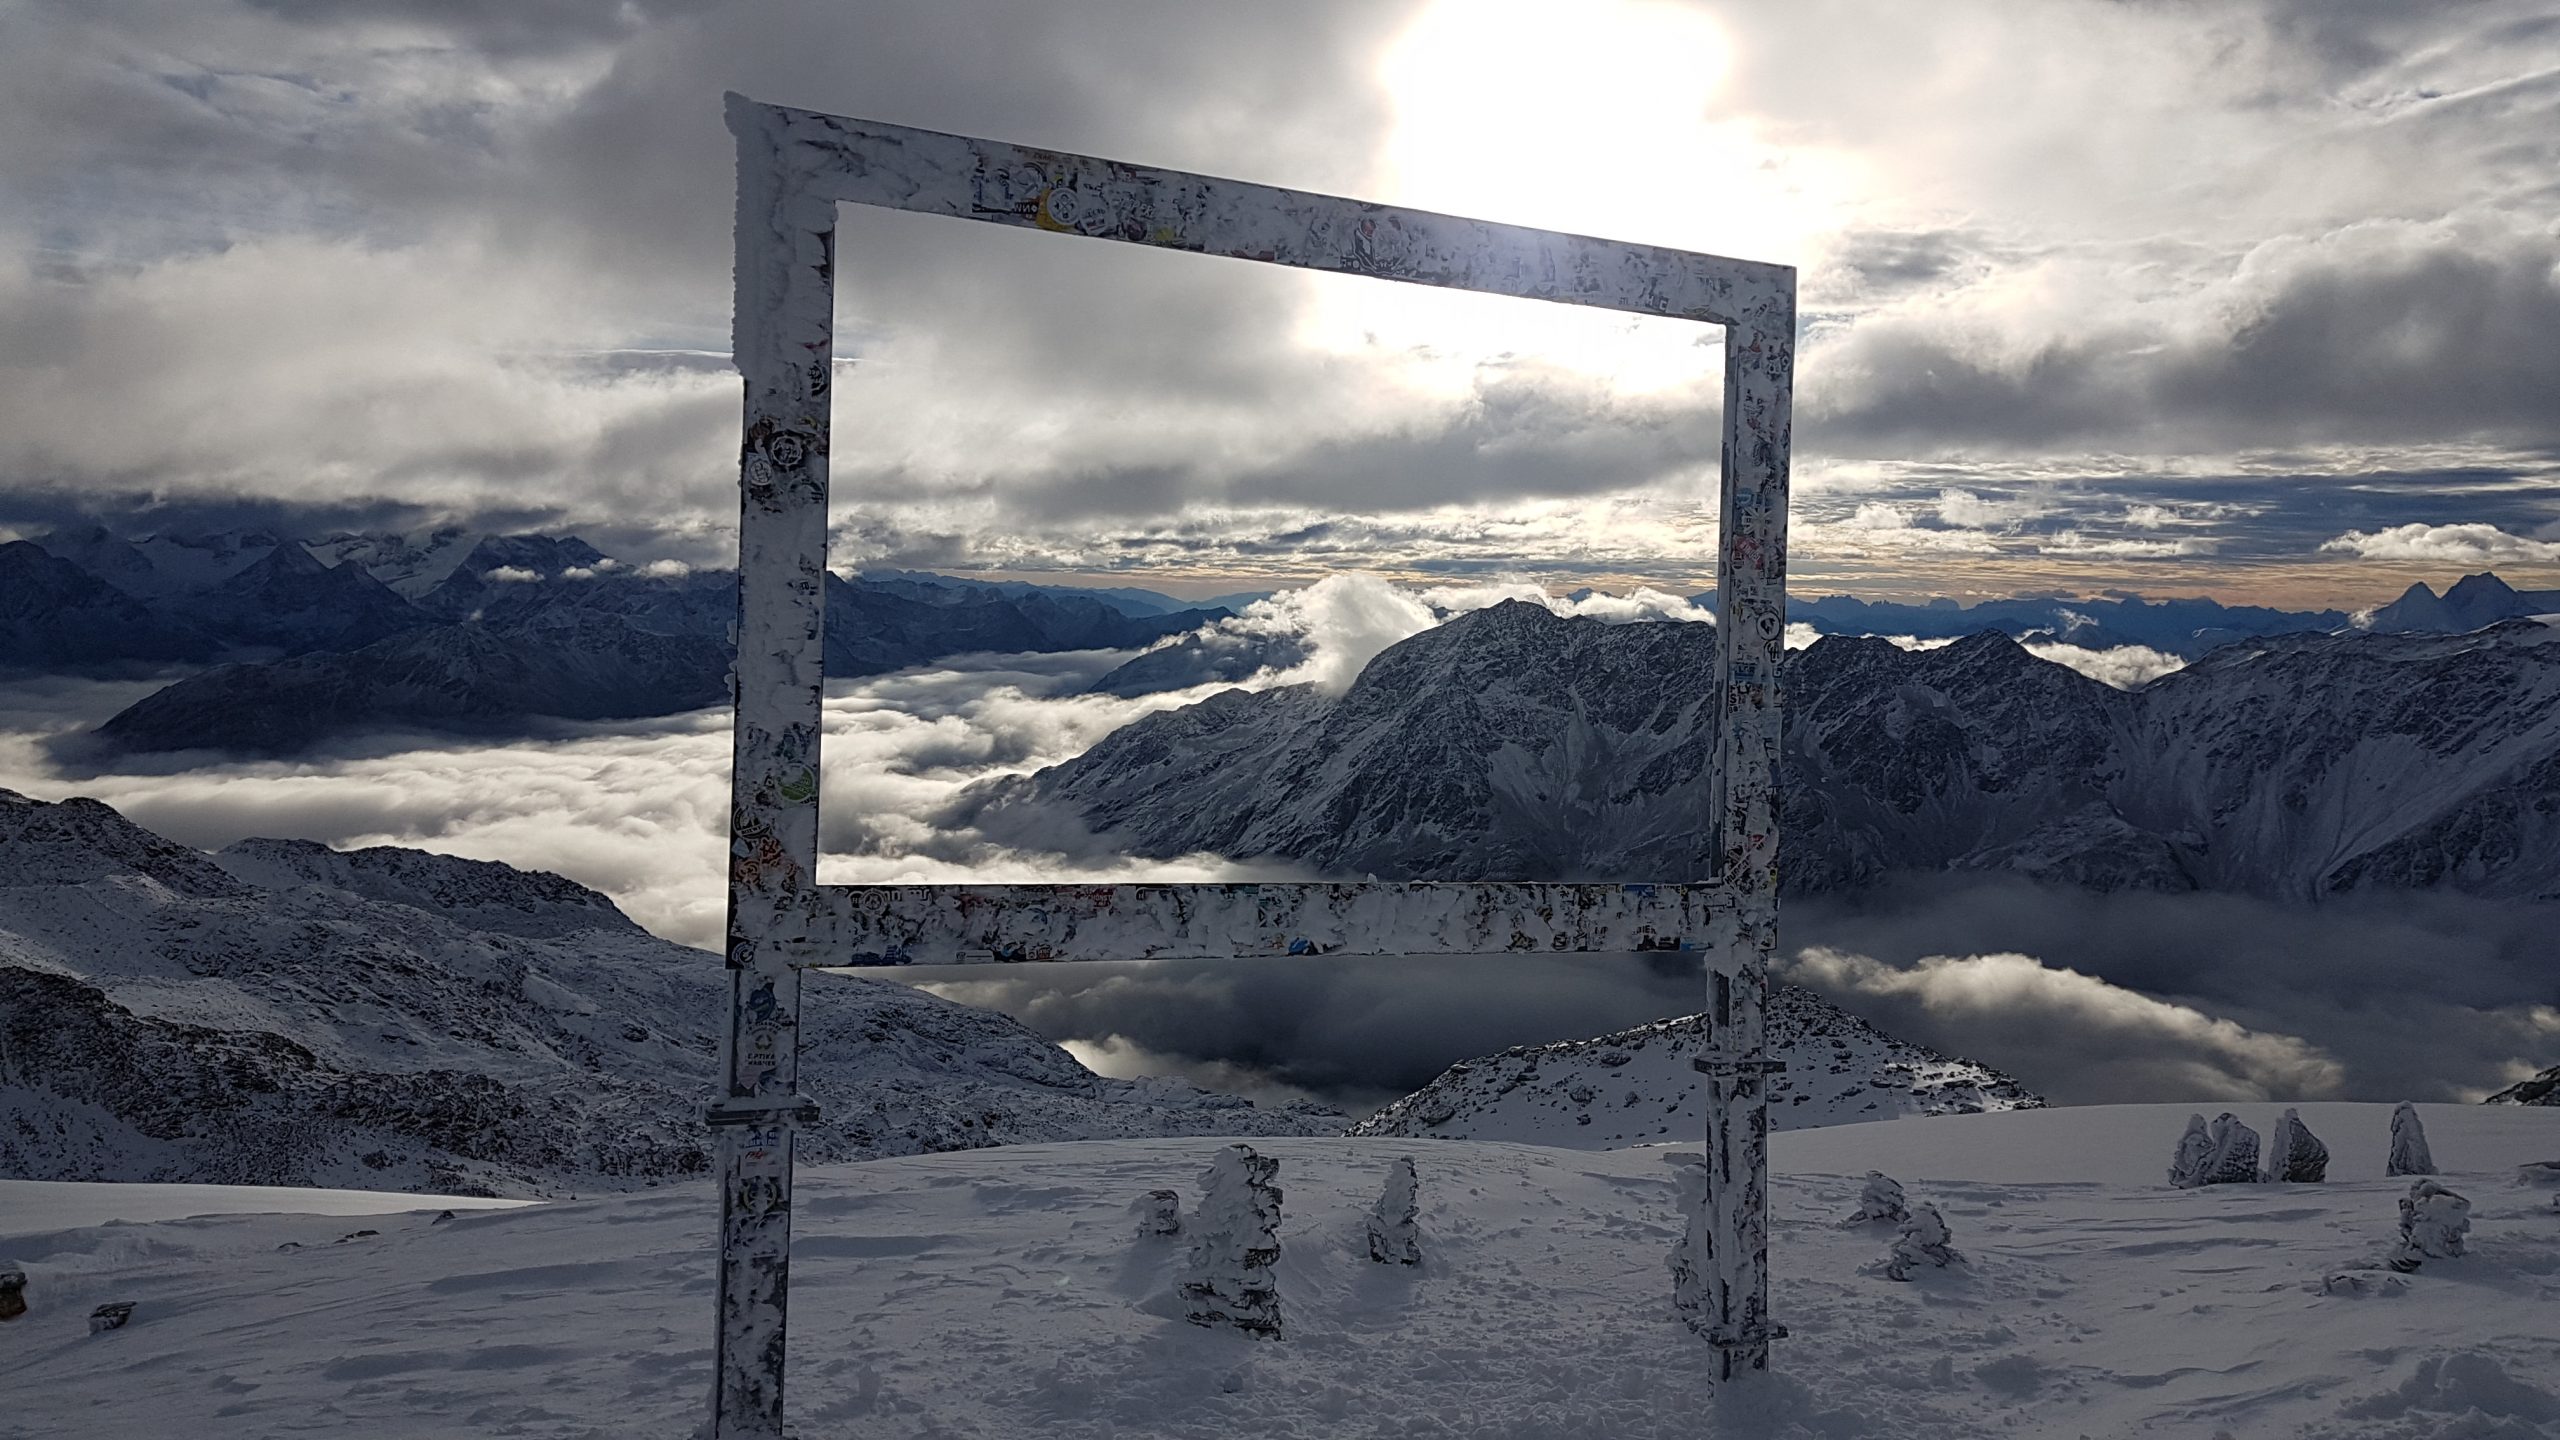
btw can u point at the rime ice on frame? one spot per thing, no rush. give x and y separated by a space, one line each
794 167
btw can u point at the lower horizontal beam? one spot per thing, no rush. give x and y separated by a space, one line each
855 925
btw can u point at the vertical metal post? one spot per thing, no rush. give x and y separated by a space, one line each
1751 578
784 342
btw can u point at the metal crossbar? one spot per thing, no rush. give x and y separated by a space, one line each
794 168
1033 924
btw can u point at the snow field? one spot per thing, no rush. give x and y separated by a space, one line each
1000 1293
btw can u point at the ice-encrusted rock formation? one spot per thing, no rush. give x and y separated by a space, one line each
1636 1087
2433 1224
2409 1152
2233 1160
1159 1214
1881 1201
1236 1241
2194 1152
2294 1154
1394 1238
284 1014
1922 1240
1513 742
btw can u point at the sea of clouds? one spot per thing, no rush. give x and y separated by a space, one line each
2086 998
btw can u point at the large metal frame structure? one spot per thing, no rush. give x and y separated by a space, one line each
794 168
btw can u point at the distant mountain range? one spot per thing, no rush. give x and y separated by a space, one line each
281 1013
1512 743
477 634
312 639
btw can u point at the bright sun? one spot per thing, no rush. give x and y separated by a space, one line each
1592 116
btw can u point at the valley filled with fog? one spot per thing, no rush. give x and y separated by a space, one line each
2086 996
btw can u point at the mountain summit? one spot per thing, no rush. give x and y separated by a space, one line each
1516 744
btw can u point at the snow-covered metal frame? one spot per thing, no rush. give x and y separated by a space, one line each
794 168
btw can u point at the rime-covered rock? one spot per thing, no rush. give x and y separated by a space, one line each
2433 1222
2409 1152
2195 1148
1393 1239
13 1292
1881 1201
2294 1154
2234 1157
1922 1240
114 1315
1235 1244
1158 1212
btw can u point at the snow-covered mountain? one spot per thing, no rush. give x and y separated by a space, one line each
1636 1087
280 1013
2467 604
2541 1089
1513 743
56 616
527 627
2182 627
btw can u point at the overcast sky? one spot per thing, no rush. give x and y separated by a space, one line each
2255 299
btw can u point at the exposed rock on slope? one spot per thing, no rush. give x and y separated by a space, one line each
1636 1087
285 1014
1513 743
2542 1089
56 616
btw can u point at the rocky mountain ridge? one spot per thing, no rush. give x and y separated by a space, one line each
486 634
1513 743
281 1013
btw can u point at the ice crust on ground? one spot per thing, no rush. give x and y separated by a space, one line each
998 1293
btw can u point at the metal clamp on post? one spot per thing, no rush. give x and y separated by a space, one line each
1705 1066
793 1110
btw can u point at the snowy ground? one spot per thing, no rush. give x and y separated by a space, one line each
999 1293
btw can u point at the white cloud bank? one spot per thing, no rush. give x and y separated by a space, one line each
2471 544
2114 1037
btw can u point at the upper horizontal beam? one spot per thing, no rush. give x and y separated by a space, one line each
868 162
1012 924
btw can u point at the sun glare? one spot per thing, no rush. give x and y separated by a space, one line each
1597 117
